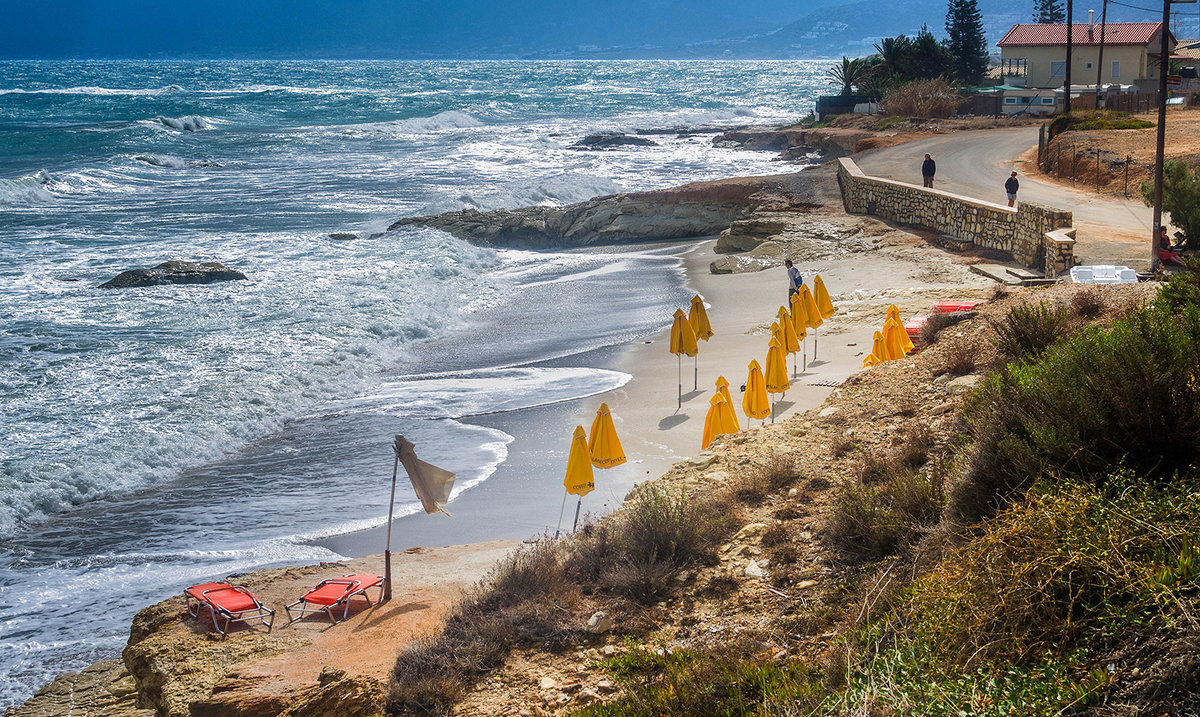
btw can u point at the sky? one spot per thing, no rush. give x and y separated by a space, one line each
370 28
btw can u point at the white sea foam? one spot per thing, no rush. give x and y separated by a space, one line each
28 189
96 91
553 190
441 122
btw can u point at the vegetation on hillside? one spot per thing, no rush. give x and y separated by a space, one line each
1181 198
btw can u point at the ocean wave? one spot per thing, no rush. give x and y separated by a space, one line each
555 190
187 123
96 91
29 189
160 160
440 122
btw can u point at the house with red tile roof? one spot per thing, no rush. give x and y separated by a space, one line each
1036 55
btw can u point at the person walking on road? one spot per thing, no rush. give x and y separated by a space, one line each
1011 185
928 169
794 279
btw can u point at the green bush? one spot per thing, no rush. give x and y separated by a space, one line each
1099 399
1181 290
729 681
1181 198
868 522
1028 330
1085 120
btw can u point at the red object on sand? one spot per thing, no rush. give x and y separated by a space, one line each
947 307
914 326
334 593
233 603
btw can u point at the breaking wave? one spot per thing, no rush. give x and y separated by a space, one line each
30 189
187 123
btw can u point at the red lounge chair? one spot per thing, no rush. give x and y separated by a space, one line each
914 327
234 603
331 594
949 307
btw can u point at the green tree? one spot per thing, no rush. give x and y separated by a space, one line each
849 74
894 54
1048 11
966 41
929 58
1181 198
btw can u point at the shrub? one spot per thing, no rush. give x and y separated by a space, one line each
1128 396
960 359
937 322
1181 290
726 681
1087 304
1090 120
871 522
1028 330
526 599
1181 198
841 446
923 99
914 447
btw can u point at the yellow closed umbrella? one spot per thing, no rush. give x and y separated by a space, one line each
698 318
812 314
799 314
878 351
723 389
683 343
776 373
892 329
604 448
756 403
788 340
579 480
821 296
717 422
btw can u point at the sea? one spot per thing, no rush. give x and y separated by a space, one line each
154 438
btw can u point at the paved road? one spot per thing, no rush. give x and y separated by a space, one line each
976 163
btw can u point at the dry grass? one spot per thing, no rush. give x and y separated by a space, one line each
1087 303
925 99
960 359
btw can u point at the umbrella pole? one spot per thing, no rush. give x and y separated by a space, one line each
772 410
696 372
387 550
560 515
814 347
806 357
679 372
577 507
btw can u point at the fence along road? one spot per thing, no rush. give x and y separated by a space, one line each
1110 230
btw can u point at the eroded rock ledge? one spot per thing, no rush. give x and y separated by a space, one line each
692 210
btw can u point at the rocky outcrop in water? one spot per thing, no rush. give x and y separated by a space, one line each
693 210
797 143
610 140
174 272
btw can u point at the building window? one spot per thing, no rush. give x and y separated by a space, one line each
1010 100
1010 67
1058 69
1087 65
1116 69
1047 100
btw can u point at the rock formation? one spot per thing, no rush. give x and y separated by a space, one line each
174 272
609 140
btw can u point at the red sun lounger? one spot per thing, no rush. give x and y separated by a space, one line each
233 603
329 595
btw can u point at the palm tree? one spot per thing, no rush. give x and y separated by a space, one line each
894 53
850 73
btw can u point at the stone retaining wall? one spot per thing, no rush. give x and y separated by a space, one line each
1030 232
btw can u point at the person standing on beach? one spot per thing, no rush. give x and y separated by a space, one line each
1010 188
928 169
795 281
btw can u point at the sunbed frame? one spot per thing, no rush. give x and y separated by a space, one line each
354 585
202 596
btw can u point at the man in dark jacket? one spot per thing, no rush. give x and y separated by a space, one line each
928 169
1010 188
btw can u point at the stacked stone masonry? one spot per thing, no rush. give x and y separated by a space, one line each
1036 236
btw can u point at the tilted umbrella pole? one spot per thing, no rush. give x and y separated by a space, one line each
560 515
577 507
387 550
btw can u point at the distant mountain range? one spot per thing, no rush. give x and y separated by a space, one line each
476 29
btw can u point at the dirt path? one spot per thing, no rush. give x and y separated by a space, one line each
1111 230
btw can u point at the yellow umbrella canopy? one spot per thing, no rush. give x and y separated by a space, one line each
788 340
799 317
821 295
892 329
723 389
683 339
604 447
756 403
812 314
776 374
698 318
878 351
716 421
579 479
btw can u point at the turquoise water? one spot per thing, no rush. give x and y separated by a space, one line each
138 425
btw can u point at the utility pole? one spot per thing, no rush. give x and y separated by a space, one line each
1100 58
1070 25
1164 65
